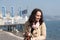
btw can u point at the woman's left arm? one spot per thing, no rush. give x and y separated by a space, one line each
43 31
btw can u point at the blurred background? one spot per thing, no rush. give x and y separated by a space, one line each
20 10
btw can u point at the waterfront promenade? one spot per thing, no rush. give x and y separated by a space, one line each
4 35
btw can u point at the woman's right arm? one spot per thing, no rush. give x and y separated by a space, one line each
26 27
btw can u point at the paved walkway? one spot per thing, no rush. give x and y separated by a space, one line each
9 36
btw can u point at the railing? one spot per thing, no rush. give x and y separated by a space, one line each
12 27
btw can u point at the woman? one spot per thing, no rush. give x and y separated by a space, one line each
35 26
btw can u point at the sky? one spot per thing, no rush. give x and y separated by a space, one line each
49 7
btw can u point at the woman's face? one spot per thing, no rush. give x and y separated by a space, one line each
38 16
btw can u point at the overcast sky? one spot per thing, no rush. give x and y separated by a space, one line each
49 7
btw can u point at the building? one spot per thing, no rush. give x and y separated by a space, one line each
3 11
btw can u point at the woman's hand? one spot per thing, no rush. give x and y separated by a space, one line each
27 34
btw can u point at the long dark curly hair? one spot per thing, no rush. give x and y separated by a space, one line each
32 17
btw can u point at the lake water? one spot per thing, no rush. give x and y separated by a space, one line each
53 30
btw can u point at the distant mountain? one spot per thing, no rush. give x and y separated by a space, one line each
51 18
